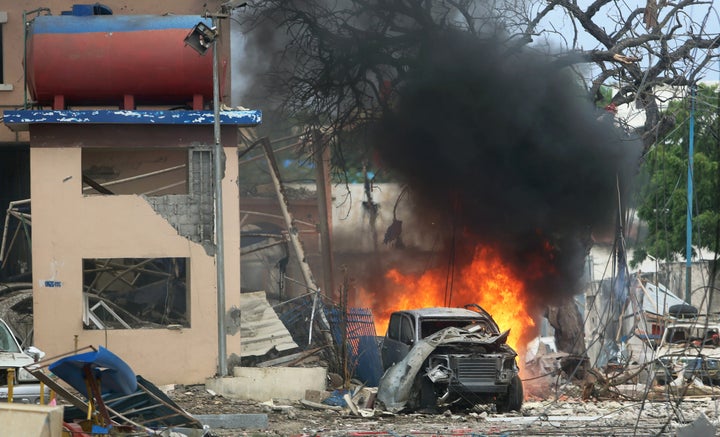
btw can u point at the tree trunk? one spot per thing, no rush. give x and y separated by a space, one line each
569 337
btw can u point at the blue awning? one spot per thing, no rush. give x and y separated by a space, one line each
18 120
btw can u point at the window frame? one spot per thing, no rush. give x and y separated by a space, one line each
144 287
407 331
3 86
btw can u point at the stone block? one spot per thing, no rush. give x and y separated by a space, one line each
265 383
234 421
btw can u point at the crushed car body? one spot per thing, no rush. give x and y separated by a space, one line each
441 357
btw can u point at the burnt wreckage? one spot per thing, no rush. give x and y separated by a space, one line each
439 357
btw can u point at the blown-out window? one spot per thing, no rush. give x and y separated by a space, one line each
394 327
136 293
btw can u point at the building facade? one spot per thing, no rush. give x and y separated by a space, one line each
121 187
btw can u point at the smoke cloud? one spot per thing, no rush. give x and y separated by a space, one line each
509 149
498 147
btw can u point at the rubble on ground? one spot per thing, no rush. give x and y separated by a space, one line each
561 414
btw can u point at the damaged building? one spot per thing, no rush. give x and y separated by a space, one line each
116 179
121 183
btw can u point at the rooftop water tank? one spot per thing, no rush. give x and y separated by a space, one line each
97 60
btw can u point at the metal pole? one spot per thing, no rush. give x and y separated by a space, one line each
324 194
688 224
219 236
295 242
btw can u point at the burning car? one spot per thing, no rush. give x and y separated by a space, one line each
437 357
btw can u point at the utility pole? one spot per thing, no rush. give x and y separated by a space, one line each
219 234
201 39
688 223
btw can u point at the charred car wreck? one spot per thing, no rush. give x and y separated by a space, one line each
447 357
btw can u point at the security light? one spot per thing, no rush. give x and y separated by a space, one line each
201 37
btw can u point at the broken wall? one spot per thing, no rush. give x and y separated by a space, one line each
69 227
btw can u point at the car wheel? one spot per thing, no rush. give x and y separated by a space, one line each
513 399
516 394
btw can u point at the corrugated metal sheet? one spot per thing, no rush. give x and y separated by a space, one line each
260 328
659 299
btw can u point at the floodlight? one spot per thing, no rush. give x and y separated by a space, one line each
201 37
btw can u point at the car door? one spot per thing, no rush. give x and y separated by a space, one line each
399 339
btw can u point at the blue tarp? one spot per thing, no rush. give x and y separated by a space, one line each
363 351
114 374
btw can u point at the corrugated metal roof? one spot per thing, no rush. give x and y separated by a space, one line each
659 299
261 329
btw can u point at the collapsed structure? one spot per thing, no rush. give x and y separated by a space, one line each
122 199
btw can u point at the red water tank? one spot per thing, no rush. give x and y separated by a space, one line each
98 60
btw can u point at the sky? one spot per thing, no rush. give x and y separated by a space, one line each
609 15
558 31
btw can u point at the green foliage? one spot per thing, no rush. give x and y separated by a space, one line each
606 93
663 197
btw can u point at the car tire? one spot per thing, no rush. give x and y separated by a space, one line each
683 311
513 399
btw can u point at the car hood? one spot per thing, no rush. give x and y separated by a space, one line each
458 335
14 359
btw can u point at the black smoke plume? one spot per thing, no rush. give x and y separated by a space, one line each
498 145
509 149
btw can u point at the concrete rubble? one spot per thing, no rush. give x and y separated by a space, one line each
562 416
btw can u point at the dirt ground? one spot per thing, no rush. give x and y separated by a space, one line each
554 417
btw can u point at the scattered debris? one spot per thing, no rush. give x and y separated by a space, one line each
298 358
701 427
319 406
114 397
260 328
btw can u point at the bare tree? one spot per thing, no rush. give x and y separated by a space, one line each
342 66
639 49
336 63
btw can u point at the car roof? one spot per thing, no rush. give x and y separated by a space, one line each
445 312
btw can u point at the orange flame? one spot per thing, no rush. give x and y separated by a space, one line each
485 281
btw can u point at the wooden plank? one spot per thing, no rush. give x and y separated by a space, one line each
288 358
57 388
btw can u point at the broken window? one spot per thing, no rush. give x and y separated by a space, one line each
131 171
135 293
